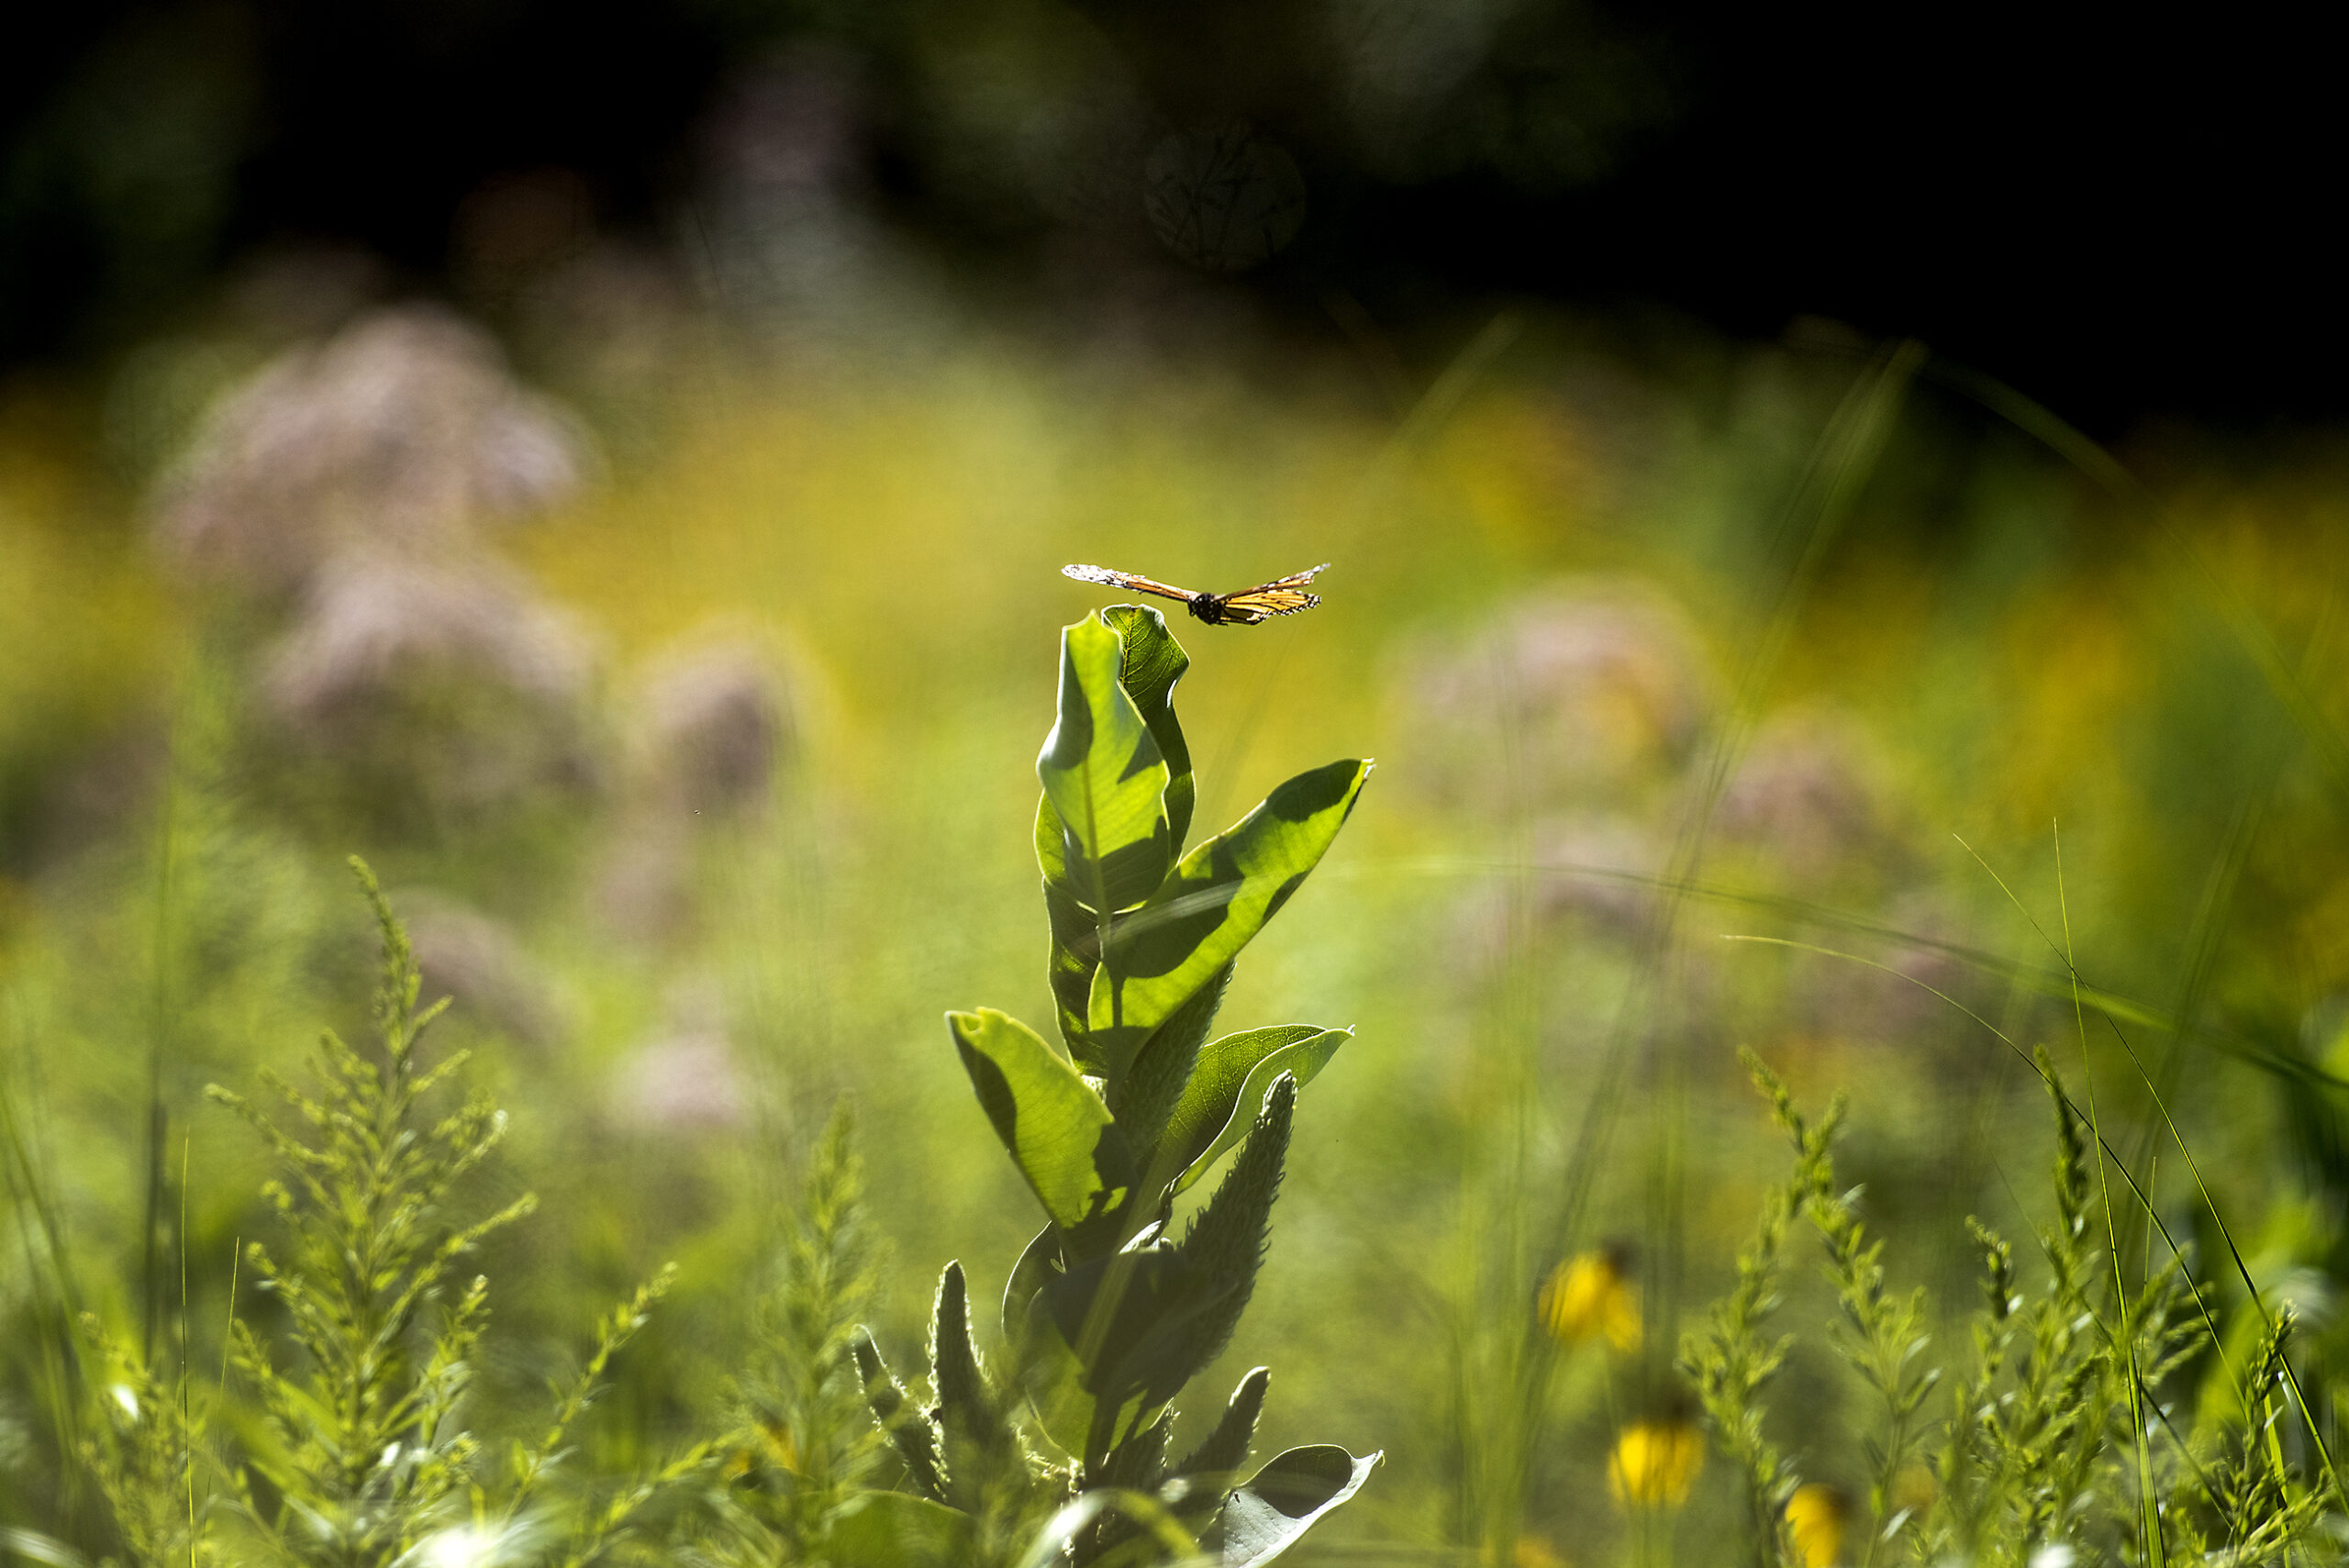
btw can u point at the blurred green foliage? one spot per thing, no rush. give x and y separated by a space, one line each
1651 656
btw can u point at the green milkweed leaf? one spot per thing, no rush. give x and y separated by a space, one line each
1105 777
1216 899
1069 1331
1273 1508
1076 939
1051 1376
1153 662
1121 1318
1144 1514
1150 663
1060 1134
1228 1085
1145 1099
1144 1321
1039 1263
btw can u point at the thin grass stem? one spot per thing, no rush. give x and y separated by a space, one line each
2149 1503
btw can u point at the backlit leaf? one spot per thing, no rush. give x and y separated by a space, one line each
1214 903
1228 1085
1153 662
1059 1132
1102 771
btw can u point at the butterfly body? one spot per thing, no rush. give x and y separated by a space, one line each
1247 606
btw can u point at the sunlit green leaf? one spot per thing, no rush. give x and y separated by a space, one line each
1153 662
1216 900
1228 1085
1038 1263
1076 939
1059 1132
1102 771
1054 1544
1143 1100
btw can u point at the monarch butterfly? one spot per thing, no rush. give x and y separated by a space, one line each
1281 597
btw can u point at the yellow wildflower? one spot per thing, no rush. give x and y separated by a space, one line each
1655 1464
1816 1514
1594 1295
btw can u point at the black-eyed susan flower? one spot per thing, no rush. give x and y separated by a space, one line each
1656 1462
1592 1294
1818 1513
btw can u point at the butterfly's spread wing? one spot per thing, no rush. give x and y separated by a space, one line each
1128 581
1281 597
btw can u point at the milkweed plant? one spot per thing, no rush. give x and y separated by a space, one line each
1062 1447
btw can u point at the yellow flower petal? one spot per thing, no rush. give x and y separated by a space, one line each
1655 1464
1816 1515
1592 1294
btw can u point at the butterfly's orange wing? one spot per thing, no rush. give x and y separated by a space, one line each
1281 597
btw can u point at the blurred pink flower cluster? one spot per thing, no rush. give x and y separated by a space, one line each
339 515
348 491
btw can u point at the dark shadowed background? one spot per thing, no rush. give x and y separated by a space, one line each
2123 217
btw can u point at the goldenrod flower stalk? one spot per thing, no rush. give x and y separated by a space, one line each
1592 1294
1655 1464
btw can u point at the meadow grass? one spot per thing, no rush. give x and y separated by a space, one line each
1546 1035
